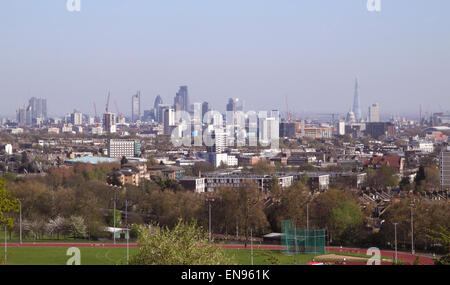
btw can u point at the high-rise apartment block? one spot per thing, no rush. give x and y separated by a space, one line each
136 107
76 118
109 123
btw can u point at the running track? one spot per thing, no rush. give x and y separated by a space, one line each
408 258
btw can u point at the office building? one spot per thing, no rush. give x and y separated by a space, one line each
444 166
22 117
136 107
288 130
376 130
120 148
38 108
157 110
341 128
196 184
236 180
235 104
206 107
374 113
168 120
181 101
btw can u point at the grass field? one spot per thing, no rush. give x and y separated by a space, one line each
116 256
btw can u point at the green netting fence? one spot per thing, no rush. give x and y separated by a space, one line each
301 241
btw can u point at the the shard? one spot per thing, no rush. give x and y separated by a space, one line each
356 108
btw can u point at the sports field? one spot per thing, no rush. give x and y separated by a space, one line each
109 255
117 255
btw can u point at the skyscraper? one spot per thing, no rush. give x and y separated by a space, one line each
181 101
158 101
231 106
374 113
22 117
205 108
157 109
38 108
109 123
168 120
235 104
136 107
356 108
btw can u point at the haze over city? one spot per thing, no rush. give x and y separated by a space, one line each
259 51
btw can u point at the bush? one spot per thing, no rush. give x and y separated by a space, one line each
185 244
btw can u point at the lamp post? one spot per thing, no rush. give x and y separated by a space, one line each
20 221
307 217
395 234
6 246
114 229
210 199
114 213
251 244
412 229
127 231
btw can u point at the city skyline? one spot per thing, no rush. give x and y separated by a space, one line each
265 51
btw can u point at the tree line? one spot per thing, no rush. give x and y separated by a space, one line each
77 202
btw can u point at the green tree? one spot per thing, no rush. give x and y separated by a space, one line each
8 204
185 244
76 227
111 218
345 218
442 237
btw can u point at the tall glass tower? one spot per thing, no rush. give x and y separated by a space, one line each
356 108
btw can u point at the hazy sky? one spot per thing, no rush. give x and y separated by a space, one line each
257 50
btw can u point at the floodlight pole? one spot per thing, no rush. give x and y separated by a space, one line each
6 246
210 199
20 221
395 231
209 210
114 217
128 232
307 216
295 237
412 230
251 244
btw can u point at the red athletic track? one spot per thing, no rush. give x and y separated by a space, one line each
408 258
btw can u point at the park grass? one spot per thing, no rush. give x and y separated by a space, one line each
57 255
14 238
117 256
267 257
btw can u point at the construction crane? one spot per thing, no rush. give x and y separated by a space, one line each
96 119
118 112
288 115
